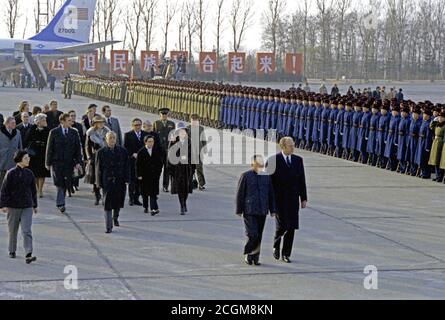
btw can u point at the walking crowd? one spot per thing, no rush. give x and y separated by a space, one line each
54 144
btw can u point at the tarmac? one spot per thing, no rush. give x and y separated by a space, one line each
358 216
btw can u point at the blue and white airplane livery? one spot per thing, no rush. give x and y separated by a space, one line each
67 35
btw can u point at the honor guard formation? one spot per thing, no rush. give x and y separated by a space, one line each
373 128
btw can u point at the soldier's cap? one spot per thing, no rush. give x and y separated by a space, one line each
417 110
395 108
164 111
442 114
428 111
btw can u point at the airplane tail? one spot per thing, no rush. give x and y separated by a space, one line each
72 23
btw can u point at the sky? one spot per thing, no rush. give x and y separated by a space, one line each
252 39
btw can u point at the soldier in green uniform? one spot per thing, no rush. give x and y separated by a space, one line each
164 127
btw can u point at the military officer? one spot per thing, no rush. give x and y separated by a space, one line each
164 127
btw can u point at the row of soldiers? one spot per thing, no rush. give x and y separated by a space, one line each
399 136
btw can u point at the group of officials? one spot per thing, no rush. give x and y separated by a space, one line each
381 130
55 144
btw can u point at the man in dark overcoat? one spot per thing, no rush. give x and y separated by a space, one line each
63 154
133 143
148 170
289 182
112 176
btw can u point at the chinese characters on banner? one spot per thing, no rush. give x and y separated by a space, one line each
237 62
89 62
294 64
174 55
149 59
58 66
207 63
265 64
120 62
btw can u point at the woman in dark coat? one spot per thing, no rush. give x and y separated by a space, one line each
35 142
180 167
149 164
112 176
95 140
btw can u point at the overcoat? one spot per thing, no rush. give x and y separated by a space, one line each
112 175
289 184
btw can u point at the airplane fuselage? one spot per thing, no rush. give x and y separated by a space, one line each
38 48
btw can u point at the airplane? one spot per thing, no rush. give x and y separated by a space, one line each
66 36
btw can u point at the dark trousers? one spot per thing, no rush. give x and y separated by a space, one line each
373 158
288 241
200 175
2 177
110 216
254 226
183 199
165 176
364 157
439 173
153 200
134 185
339 152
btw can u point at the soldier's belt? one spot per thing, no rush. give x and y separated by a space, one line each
371 129
401 134
391 131
422 136
355 126
413 135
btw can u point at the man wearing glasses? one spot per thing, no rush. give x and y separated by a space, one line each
133 143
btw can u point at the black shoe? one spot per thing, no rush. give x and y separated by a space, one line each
166 190
131 203
116 223
76 188
154 212
202 188
286 259
109 231
256 262
138 203
12 255
182 212
30 260
145 210
248 260
62 209
97 202
276 254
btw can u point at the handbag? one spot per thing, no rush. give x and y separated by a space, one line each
79 172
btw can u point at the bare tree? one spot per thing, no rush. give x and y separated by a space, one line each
240 16
191 26
132 23
219 28
200 18
12 16
273 17
182 24
169 14
149 19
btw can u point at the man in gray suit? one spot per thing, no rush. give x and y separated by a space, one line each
112 124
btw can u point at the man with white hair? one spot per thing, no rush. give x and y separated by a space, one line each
10 143
289 184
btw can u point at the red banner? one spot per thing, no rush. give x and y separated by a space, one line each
60 65
294 64
265 64
236 62
89 63
207 63
149 59
120 62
